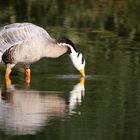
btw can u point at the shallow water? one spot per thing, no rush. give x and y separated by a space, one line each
59 104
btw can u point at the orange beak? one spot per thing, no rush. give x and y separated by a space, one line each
82 71
82 81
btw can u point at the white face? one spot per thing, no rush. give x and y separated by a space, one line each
78 60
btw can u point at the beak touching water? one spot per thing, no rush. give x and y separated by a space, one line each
82 71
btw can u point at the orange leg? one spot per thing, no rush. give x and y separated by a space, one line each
28 71
7 74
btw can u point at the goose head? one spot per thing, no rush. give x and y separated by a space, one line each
78 61
76 57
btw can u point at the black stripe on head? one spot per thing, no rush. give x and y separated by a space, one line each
66 41
78 54
83 59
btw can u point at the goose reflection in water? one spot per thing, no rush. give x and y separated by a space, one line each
27 111
76 95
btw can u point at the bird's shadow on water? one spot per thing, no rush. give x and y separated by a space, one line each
29 109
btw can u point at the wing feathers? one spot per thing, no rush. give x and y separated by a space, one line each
18 33
30 35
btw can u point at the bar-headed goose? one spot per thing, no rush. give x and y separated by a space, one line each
26 43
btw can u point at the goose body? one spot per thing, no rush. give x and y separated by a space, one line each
27 43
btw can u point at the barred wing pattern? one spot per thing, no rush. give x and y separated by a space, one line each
17 33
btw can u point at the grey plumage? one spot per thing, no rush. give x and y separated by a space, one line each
18 33
26 43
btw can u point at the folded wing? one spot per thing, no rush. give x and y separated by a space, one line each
18 33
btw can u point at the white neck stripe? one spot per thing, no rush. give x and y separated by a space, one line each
64 44
68 45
